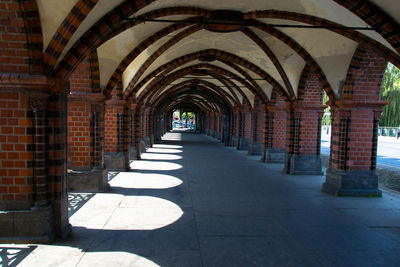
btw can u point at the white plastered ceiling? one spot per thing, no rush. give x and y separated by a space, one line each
52 13
112 52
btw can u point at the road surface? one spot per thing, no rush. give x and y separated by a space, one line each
388 149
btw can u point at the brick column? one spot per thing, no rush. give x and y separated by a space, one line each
135 146
275 120
127 126
257 129
86 171
98 135
114 135
354 139
32 158
303 140
39 105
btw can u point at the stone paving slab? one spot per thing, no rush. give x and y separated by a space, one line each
194 202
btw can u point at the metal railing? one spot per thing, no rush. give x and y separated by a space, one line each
388 131
382 131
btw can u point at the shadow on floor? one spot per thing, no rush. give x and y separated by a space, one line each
76 201
12 256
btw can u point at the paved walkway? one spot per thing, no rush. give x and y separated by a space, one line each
193 202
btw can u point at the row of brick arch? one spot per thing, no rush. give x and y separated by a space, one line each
366 11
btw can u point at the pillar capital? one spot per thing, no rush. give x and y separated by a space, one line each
349 104
38 102
86 97
26 82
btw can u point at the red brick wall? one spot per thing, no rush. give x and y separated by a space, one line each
279 134
80 151
80 80
360 136
14 53
247 130
364 77
16 145
79 136
309 132
310 94
278 108
354 142
236 123
258 128
111 129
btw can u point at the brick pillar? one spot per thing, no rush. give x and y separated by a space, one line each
135 146
114 135
127 126
275 120
39 105
32 158
57 156
147 127
98 135
257 120
152 125
355 123
352 168
236 127
303 140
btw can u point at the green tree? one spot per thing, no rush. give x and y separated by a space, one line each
390 92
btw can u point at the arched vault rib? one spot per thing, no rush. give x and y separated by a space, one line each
232 97
272 57
231 84
111 25
162 49
103 30
330 26
189 31
198 83
199 89
226 82
182 72
376 18
205 100
218 55
209 99
117 75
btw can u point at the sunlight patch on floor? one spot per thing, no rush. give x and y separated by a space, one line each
143 213
160 156
163 150
154 166
145 180
115 258
166 146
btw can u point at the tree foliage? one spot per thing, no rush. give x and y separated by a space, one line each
391 92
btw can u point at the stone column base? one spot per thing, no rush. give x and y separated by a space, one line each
95 180
351 183
244 144
273 155
234 141
255 149
303 164
115 162
146 140
27 226
133 153
143 147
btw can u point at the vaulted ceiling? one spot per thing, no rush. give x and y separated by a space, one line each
233 49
